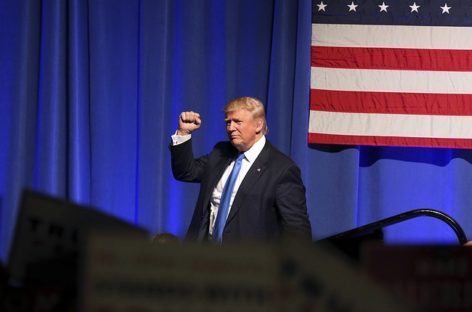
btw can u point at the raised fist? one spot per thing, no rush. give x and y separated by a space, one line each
188 122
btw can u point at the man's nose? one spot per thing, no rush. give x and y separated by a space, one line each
230 126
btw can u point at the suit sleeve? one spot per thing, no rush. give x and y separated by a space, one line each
291 203
184 166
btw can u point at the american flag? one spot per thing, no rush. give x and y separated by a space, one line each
391 72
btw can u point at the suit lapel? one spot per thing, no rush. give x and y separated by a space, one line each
214 178
218 171
255 172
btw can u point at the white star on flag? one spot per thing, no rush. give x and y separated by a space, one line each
414 7
352 7
322 6
383 7
445 8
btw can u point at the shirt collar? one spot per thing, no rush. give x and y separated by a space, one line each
252 153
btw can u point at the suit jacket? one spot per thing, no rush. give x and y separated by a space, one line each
270 200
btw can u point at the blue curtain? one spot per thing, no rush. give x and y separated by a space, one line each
90 92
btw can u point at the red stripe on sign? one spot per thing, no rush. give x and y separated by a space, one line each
379 58
391 103
319 138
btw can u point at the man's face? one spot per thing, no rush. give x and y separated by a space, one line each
243 129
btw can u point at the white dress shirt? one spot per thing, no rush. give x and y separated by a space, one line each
249 158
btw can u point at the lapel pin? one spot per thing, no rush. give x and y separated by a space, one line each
258 169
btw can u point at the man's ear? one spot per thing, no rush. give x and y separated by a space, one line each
259 125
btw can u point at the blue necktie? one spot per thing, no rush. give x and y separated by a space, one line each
225 200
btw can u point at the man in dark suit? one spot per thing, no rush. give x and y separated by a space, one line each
268 199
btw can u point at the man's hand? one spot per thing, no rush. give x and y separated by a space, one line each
188 122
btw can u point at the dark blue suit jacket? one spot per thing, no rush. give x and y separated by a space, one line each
270 201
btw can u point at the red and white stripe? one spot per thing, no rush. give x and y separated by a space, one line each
391 85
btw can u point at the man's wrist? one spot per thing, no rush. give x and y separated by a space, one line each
182 132
179 139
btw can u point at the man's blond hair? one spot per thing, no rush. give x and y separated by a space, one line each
251 105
